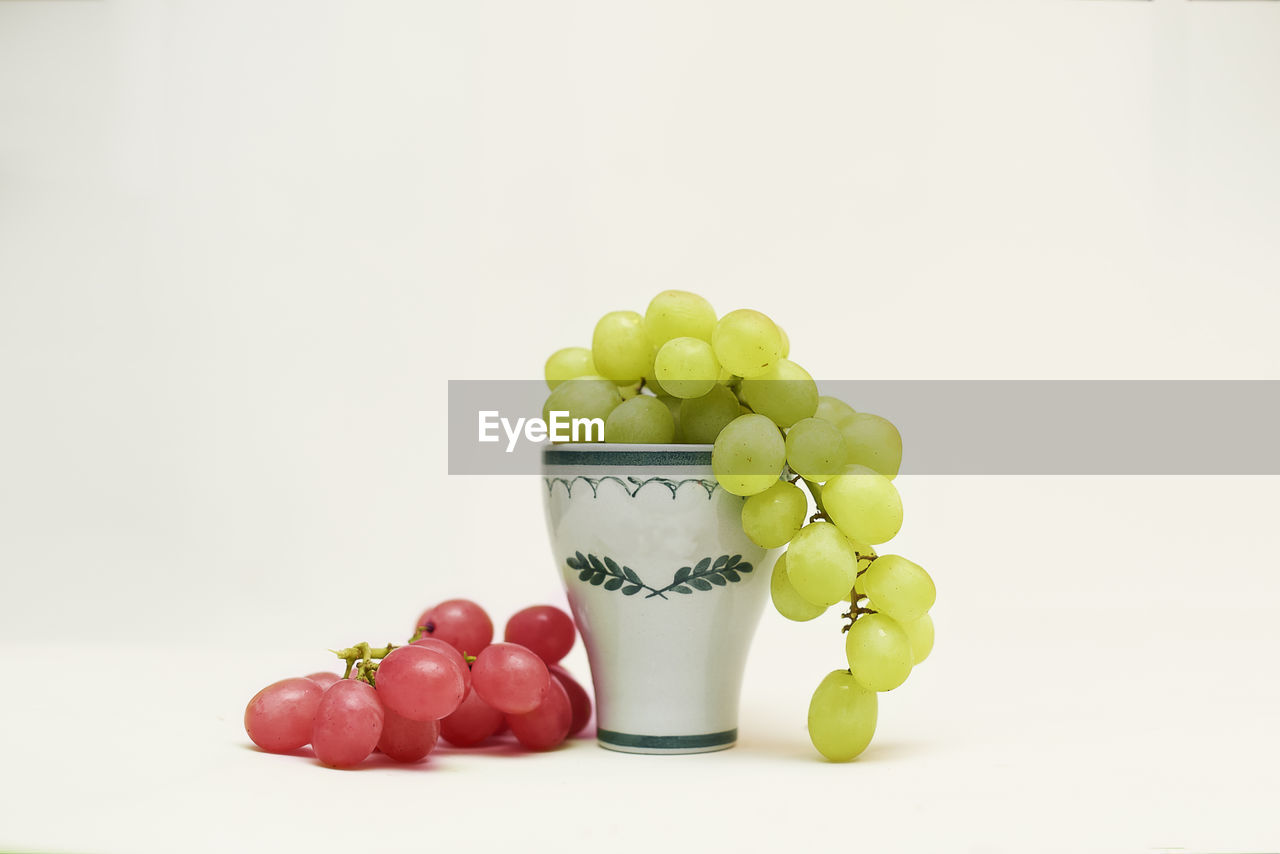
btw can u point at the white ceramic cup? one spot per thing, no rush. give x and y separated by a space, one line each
665 587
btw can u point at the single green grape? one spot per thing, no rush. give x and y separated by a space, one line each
822 565
815 449
640 420
748 455
879 652
920 634
842 716
702 418
620 348
747 342
679 314
567 364
786 600
686 367
873 442
771 518
784 392
864 504
898 587
833 409
583 397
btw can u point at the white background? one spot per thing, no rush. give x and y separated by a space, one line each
244 245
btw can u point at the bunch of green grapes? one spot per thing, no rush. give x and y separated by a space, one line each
679 373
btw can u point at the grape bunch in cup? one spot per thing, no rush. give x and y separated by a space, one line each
448 682
680 373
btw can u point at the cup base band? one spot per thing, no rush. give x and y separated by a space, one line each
627 742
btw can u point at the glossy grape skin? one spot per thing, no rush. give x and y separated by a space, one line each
748 455
324 678
879 652
786 600
920 635
815 449
842 717
873 442
686 367
461 623
584 397
898 587
450 652
821 564
348 724
472 722
785 393
280 717
746 342
642 420
702 418
547 725
568 364
510 678
545 630
678 314
420 684
771 518
833 410
406 740
620 347
864 504
579 699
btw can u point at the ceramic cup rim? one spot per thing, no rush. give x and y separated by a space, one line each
607 456
595 447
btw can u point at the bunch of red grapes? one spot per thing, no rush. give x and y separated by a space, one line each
451 681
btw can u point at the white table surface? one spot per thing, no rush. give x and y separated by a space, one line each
1144 734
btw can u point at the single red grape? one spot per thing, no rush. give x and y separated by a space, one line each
280 716
419 683
324 678
460 623
471 723
578 698
546 726
348 723
449 652
510 678
406 740
546 630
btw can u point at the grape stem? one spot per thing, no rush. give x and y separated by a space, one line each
820 515
854 612
368 657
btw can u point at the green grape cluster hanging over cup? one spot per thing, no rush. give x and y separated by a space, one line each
680 373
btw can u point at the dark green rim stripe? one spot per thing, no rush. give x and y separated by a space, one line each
667 742
556 457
